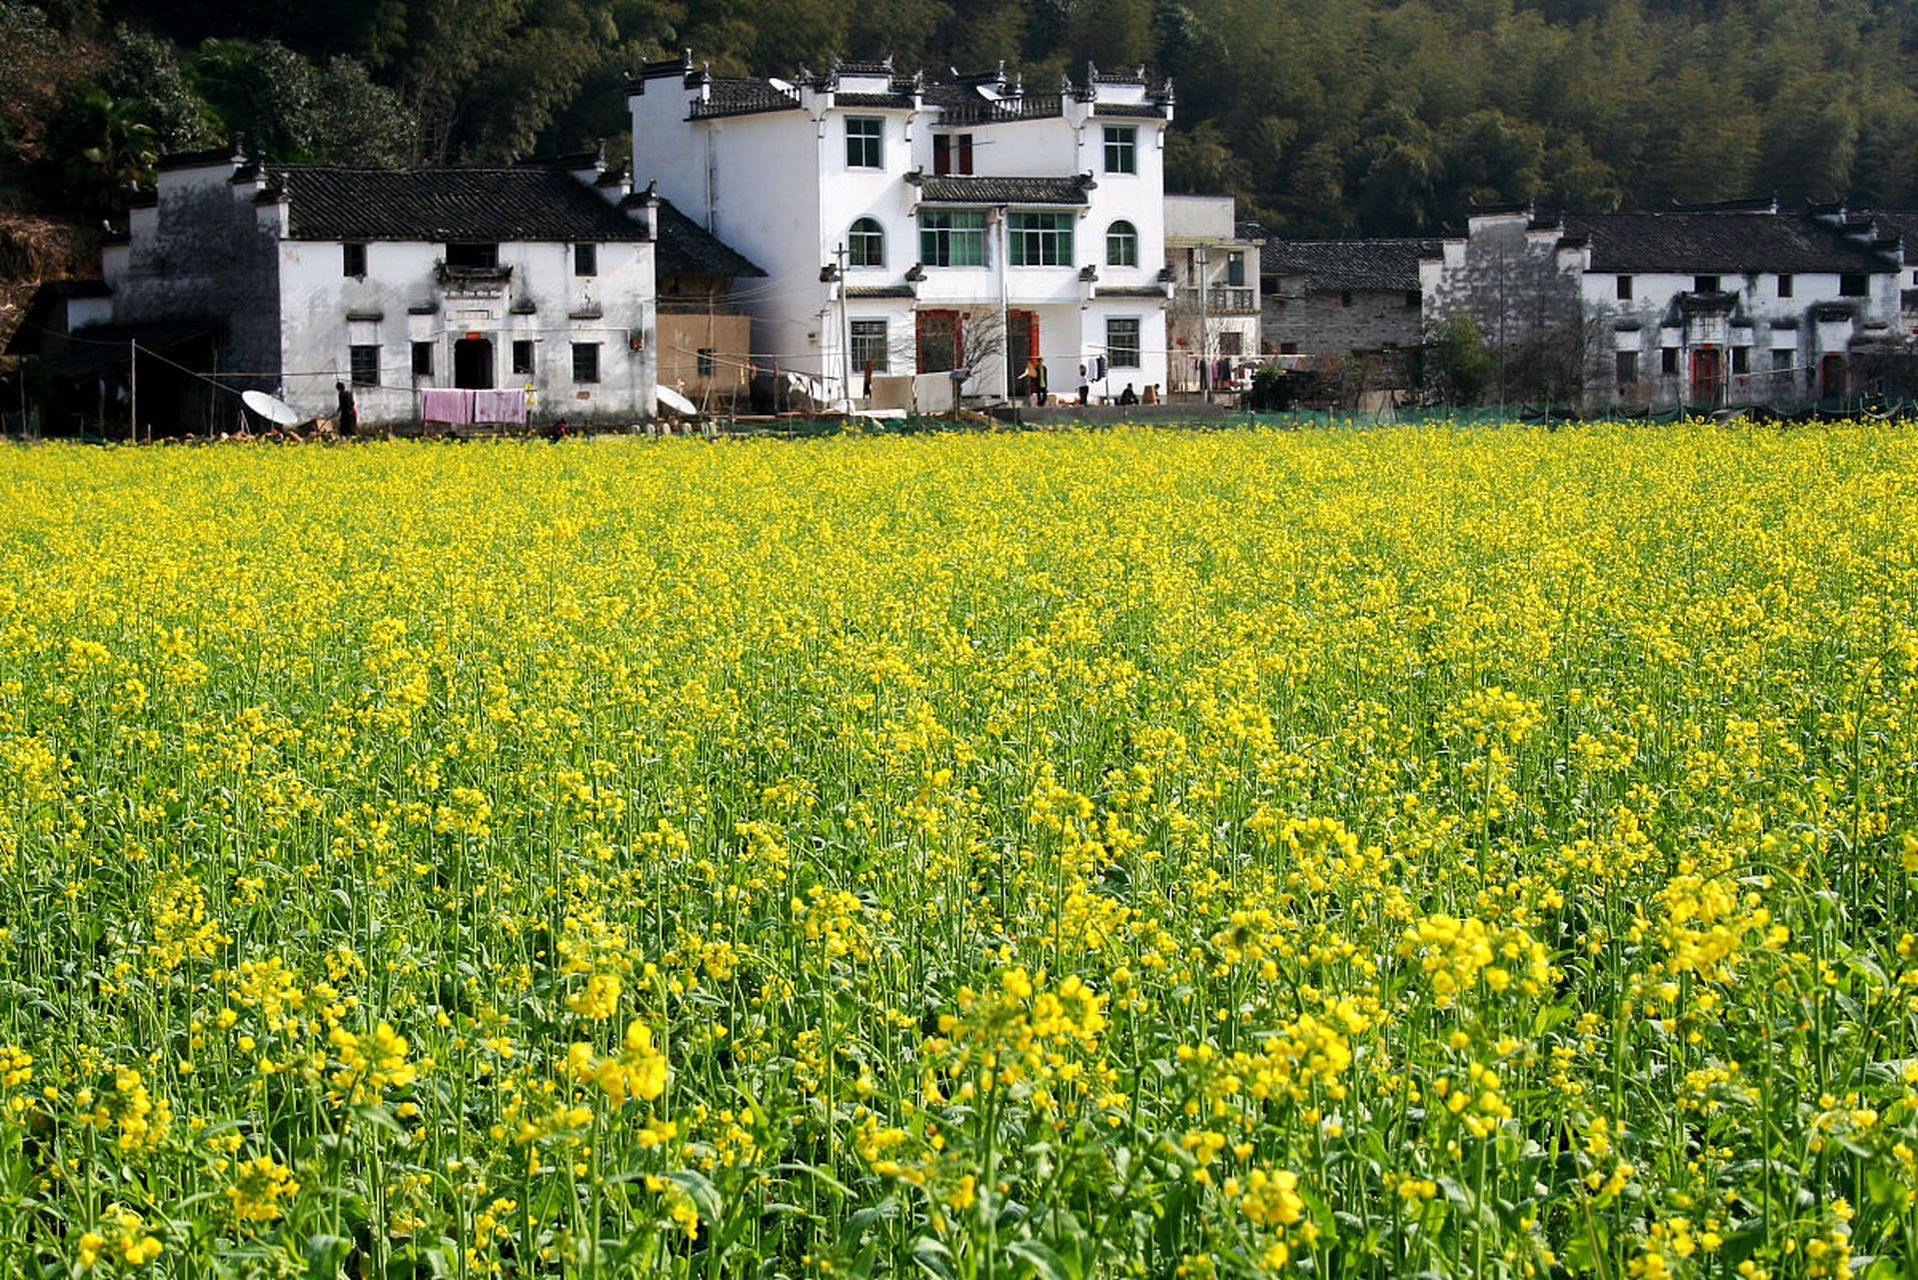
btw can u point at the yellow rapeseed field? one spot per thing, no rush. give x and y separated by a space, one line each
1460 852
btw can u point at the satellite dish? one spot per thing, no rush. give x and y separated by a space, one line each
274 410
671 399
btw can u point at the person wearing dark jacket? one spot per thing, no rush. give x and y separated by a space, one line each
347 420
1128 396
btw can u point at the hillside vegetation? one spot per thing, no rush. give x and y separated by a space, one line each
1323 116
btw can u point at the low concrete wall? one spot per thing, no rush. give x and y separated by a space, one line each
1110 413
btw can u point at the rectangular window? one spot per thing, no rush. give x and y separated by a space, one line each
1784 286
585 362
1345 297
869 346
1288 348
1122 148
1412 299
703 362
365 361
1668 361
1741 359
1122 343
422 359
1235 270
1704 284
1040 239
952 153
864 135
1781 369
523 359
1853 284
1627 369
1231 343
952 237
1624 288
585 259
479 257
353 260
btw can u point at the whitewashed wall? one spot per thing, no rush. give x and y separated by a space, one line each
401 301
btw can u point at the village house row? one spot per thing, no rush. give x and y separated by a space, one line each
864 239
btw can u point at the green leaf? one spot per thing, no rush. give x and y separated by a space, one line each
933 1257
324 1253
703 1194
1044 1262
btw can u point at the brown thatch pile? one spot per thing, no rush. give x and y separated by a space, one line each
33 249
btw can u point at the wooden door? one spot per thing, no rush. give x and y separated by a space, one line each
1708 375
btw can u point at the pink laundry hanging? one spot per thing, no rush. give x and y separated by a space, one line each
502 408
446 405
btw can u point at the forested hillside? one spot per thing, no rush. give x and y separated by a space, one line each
1323 116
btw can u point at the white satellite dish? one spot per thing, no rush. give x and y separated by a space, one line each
273 409
671 399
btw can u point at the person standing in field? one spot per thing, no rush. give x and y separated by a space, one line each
347 420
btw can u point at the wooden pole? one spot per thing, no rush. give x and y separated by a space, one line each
133 392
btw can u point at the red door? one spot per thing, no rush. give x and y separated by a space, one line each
1831 377
1708 375
1022 343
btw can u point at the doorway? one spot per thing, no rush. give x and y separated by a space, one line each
473 364
1831 377
1707 375
1022 345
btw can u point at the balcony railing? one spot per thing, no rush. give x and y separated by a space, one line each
1221 299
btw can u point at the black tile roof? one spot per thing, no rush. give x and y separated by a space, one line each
75 289
952 189
1899 222
954 97
1691 243
526 202
880 291
886 100
1381 265
1130 110
741 96
94 350
688 249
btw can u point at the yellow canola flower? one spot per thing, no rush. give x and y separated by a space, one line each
637 1070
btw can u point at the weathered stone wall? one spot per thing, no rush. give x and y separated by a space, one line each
1320 323
207 252
1522 288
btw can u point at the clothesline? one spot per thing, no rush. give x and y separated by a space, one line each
459 407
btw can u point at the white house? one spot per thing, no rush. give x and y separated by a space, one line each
399 282
1215 306
917 228
1693 307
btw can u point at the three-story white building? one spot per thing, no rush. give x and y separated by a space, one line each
916 228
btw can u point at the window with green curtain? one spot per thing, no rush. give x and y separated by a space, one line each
952 237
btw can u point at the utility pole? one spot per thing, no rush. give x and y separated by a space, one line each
845 325
133 392
1004 250
1205 327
